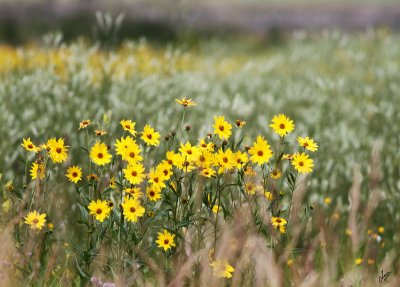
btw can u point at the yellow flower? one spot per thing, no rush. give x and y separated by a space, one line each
239 123
149 136
29 146
358 261
58 151
165 240
100 209
308 143
100 133
225 160
207 172
241 159
222 268
35 219
260 151
205 159
287 156
327 200
84 124
132 153
156 178
349 232
74 174
183 164
9 186
249 171
186 102
165 169
381 229
208 146
132 209
172 158
153 193
250 187
222 128
279 223
129 126
268 195
99 154
191 153
282 125
289 262
302 163
216 208
371 261
113 183
134 173
38 169
276 174
135 192
92 177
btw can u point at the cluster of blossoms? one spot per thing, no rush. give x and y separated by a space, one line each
141 184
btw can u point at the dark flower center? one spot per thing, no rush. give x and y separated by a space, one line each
132 154
99 211
35 221
221 128
132 209
282 126
260 153
134 173
30 146
166 241
149 136
58 150
74 174
100 155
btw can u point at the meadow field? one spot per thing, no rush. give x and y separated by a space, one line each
257 222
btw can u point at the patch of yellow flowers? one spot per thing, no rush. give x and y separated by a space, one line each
140 184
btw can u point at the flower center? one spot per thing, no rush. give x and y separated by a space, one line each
260 153
165 172
156 179
35 221
74 174
132 209
301 163
279 220
225 159
128 127
100 155
58 150
166 241
134 173
132 154
221 128
99 211
149 136
282 126
170 162
152 193
30 146
189 151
